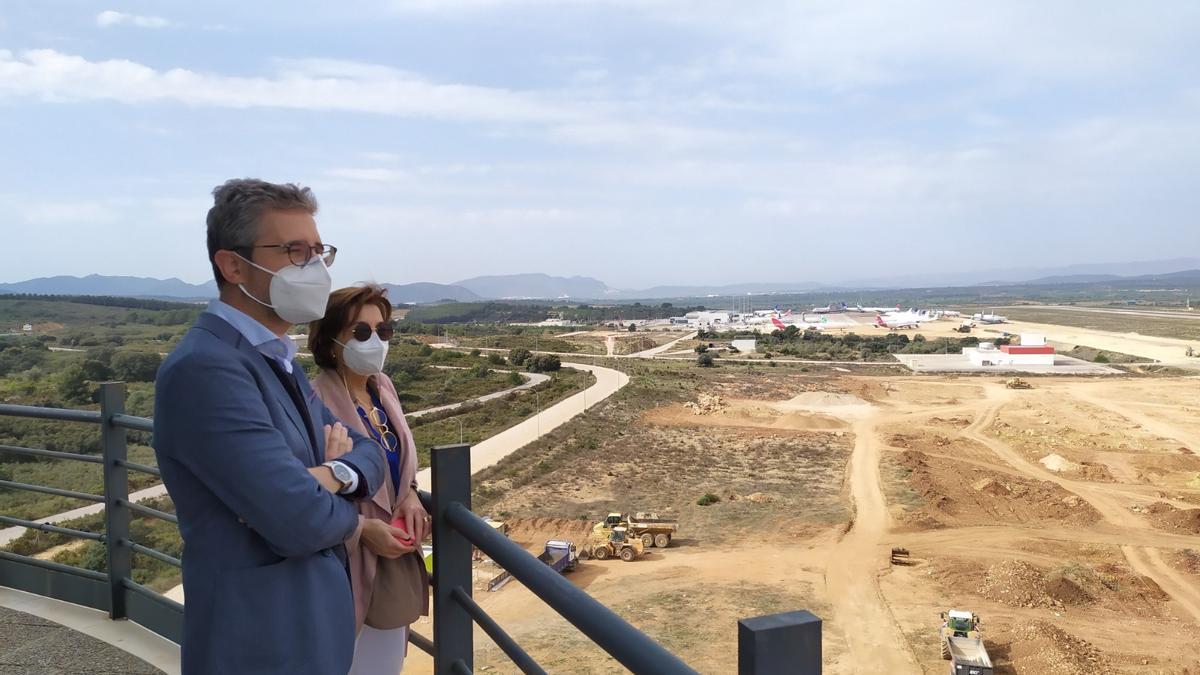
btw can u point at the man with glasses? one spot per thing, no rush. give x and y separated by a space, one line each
241 441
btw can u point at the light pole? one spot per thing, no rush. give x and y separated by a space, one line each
460 430
538 415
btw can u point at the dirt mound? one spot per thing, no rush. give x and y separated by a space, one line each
1016 584
1041 647
1167 517
1060 464
845 406
706 404
962 494
534 532
1188 560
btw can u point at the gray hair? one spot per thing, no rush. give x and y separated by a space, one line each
238 203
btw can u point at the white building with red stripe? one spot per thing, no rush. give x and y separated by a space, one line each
1033 351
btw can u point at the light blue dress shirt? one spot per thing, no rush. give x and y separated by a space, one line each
281 350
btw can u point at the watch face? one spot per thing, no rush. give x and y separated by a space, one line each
341 473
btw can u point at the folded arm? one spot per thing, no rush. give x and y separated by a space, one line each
221 431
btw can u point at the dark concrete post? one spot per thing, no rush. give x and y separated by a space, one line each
452 627
116 495
780 643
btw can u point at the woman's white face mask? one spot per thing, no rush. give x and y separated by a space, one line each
297 294
365 358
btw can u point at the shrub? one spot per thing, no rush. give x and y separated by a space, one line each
1100 358
519 355
708 499
136 366
705 361
543 363
495 359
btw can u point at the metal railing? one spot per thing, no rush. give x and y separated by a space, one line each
114 590
778 643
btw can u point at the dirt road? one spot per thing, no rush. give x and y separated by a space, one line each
875 642
1144 560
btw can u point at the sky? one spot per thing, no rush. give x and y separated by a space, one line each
640 142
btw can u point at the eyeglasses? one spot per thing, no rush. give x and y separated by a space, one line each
300 254
362 331
379 420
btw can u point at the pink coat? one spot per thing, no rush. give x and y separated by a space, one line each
329 387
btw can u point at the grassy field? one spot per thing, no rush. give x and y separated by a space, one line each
1187 327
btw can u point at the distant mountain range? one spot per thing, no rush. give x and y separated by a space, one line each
544 286
130 287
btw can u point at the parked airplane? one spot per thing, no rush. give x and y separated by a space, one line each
989 318
896 322
831 308
860 308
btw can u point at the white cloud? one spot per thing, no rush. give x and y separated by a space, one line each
110 18
305 84
339 86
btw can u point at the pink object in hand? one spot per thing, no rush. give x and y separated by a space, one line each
407 540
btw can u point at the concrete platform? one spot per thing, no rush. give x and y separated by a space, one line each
958 363
40 636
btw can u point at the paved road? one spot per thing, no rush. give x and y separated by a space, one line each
534 379
1165 314
7 535
651 353
488 452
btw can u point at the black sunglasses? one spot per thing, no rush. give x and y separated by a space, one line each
362 331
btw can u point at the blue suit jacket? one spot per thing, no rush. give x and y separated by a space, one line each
265 589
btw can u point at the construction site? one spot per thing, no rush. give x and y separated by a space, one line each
981 523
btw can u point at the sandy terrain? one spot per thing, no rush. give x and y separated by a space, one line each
1067 516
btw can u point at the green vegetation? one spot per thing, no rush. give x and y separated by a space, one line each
708 499
145 530
529 312
811 344
533 342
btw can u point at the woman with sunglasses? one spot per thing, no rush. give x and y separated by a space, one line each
387 573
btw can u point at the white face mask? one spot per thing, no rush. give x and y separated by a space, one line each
297 294
365 358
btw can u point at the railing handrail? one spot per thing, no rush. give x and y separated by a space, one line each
459 528
58 414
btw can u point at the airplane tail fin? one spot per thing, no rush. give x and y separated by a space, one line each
778 324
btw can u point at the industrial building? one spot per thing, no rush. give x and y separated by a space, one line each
1033 351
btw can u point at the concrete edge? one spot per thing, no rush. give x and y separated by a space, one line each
124 635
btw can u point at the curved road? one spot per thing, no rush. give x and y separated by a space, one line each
488 452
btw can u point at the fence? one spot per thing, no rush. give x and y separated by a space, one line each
779 643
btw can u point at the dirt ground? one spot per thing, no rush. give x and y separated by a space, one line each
1066 516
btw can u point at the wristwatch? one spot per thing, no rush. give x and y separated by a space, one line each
341 473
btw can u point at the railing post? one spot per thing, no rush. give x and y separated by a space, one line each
452 628
116 494
780 643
